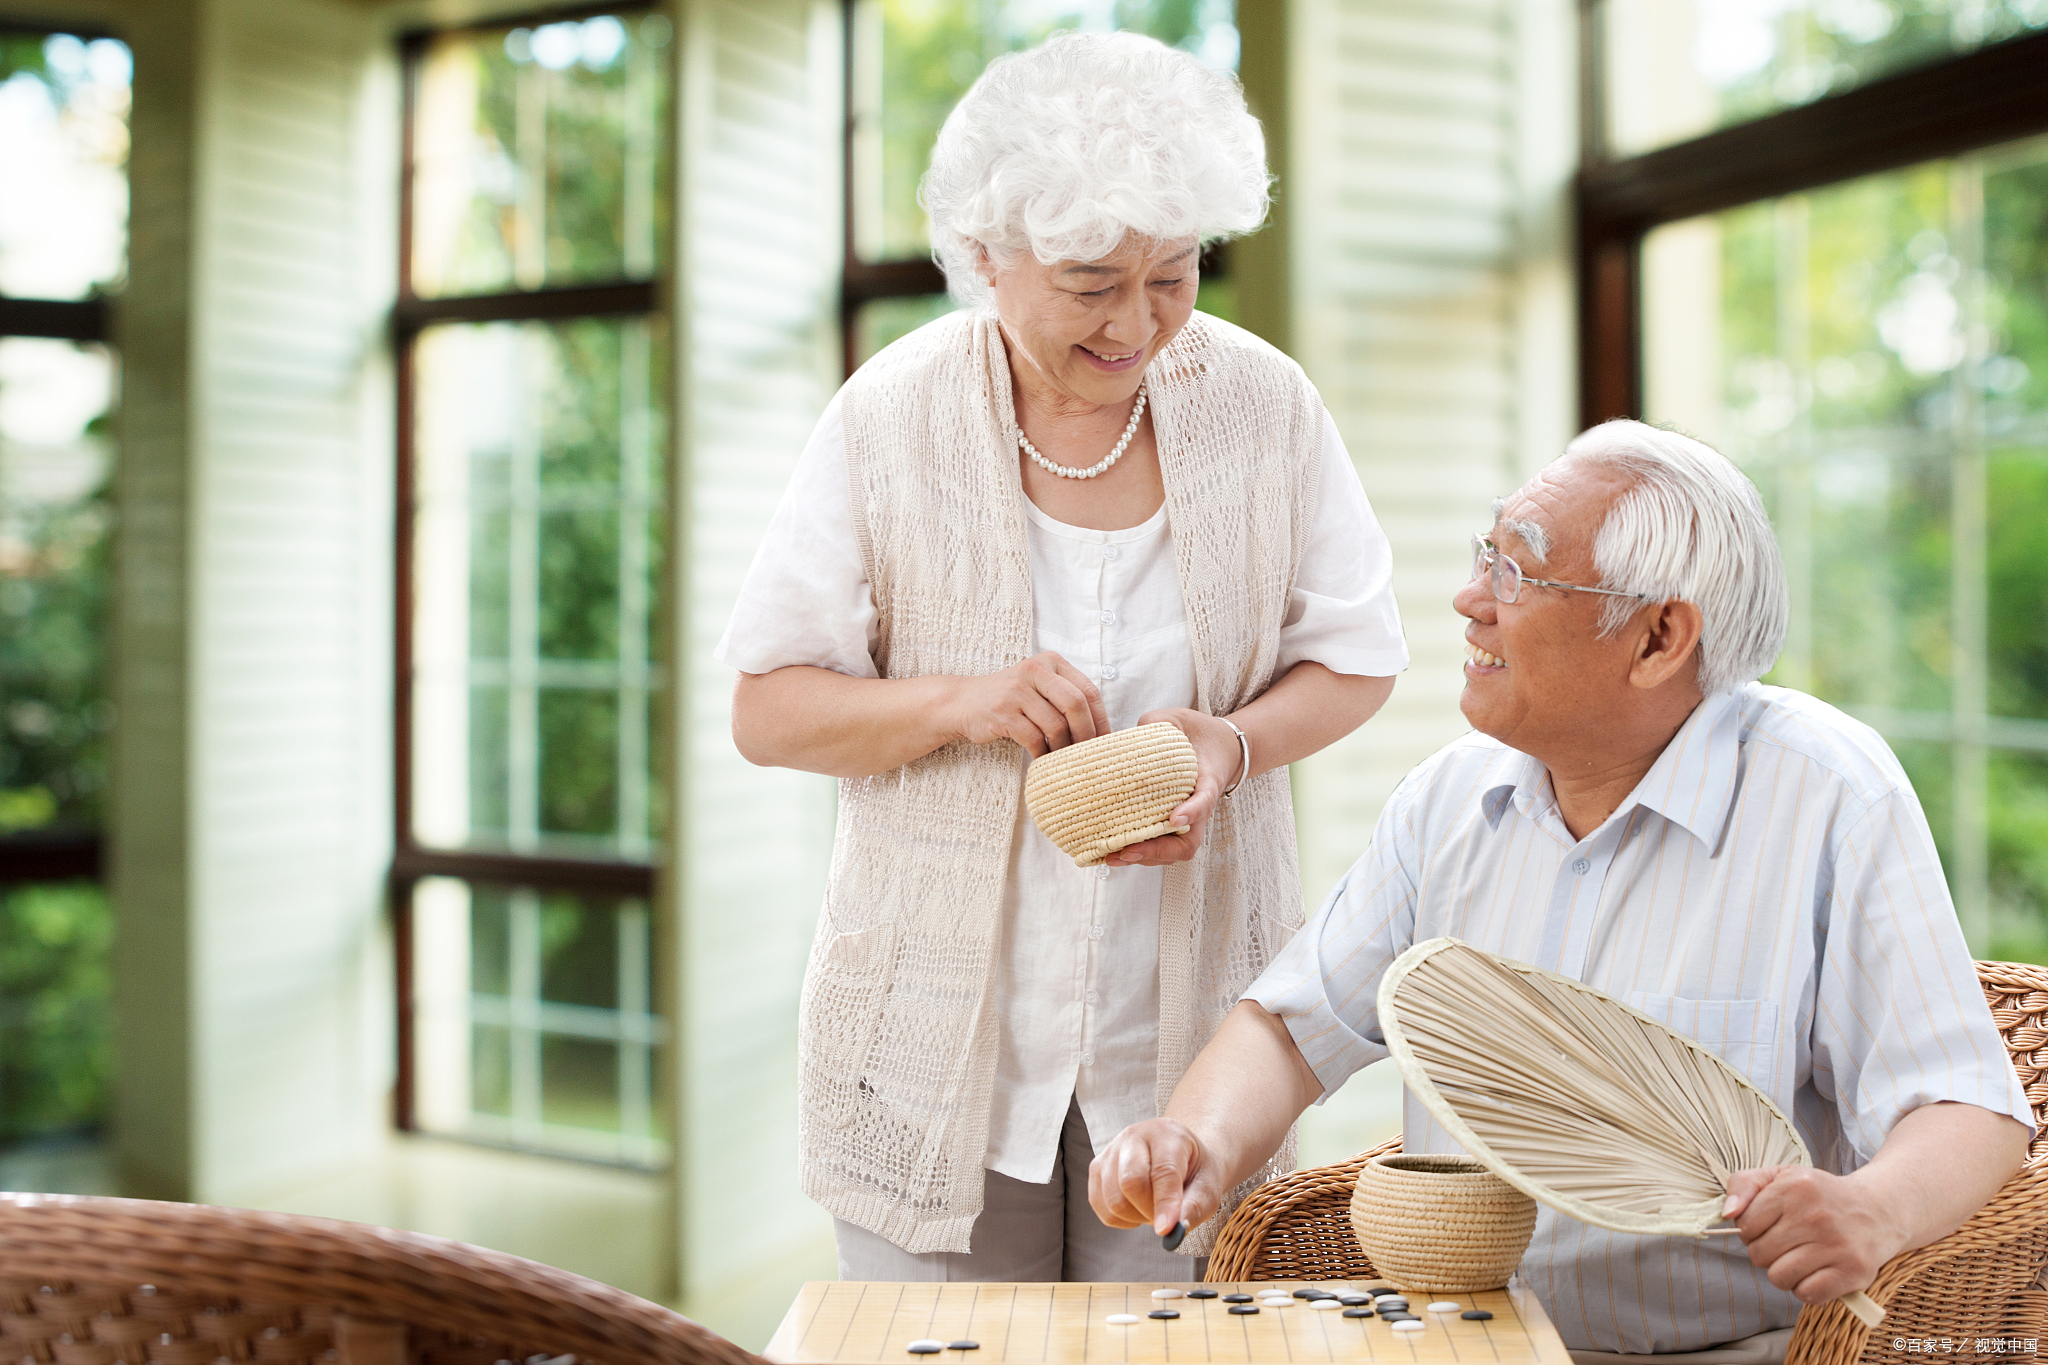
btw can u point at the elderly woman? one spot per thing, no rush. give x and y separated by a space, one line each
1074 506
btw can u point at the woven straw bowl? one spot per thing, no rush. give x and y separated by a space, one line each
1440 1223
1104 794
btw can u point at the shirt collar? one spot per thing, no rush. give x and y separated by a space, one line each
1690 784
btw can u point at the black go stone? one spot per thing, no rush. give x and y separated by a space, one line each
1164 1313
1201 1293
1306 1293
963 1346
1244 1308
1172 1240
1358 1312
1384 1293
1237 1298
1353 1300
1476 1315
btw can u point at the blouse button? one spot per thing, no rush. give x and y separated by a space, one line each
1109 552
1087 1059
1109 618
1109 672
1095 931
1089 998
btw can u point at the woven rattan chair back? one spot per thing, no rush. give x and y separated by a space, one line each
1983 1282
129 1281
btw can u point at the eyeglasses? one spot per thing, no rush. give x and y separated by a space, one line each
1507 578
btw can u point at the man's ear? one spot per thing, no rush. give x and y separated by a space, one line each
1668 645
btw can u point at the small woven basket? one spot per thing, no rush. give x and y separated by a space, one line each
1104 794
1440 1223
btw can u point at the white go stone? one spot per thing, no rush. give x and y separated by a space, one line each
1324 1303
1408 1326
1121 1319
926 1346
1445 1306
1166 1293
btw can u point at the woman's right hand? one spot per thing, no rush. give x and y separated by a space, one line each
1044 703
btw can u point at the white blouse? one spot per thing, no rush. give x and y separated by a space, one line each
1078 976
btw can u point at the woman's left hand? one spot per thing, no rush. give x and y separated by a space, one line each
1217 759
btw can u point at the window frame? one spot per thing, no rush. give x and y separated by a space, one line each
73 854
1982 98
411 315
1949 108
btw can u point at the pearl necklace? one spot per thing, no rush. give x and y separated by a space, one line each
1130 428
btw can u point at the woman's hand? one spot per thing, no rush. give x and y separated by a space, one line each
1217 760
1044 703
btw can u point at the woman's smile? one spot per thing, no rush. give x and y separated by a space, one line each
1112 362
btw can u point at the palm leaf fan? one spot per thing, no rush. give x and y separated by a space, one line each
1595 1109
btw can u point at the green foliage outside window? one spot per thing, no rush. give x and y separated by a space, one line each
1879 339
54 713
55 991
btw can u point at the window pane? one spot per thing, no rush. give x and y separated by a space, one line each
538 155
55 992
64 156
885 320
533 1020
1876 355
2015 383
913 59
55 521
1678 68
537 556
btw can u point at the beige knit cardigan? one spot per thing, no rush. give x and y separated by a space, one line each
898 1031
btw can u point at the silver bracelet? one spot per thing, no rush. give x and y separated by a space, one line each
1244 747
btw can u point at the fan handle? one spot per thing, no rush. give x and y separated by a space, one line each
1864 1307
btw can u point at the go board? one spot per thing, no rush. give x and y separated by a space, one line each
874 1323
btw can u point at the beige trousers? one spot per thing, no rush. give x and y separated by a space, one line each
1028 1233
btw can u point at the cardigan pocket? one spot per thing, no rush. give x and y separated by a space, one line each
845 990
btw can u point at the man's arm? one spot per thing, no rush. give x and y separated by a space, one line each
1227 1116
1822 1236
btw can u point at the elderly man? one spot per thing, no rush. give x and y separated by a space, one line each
1742 862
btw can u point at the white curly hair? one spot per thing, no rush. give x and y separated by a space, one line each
1064 149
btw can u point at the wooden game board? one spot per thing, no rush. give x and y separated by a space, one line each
835 1323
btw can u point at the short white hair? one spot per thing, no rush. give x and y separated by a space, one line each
1692 527
1066 148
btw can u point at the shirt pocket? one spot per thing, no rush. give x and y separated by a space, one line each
1742 1033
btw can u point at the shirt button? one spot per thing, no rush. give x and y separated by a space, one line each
1095 931
1089 997
1087 1059
1580 866
1110 552
1109 672
1109 618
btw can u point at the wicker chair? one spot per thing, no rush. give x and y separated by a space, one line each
1988 1278
100 1281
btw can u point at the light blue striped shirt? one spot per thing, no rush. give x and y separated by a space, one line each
1770 888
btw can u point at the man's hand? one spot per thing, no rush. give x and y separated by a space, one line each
1153 1172
1820 1236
